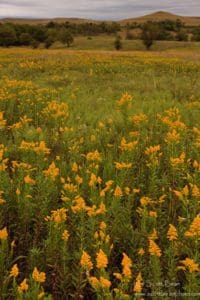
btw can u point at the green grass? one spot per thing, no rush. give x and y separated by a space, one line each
105 42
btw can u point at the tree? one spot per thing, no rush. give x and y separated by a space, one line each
66 37
196 34
149 34
181 36
118 43
129 35
38 33
49 41
35 44
25 39
8 36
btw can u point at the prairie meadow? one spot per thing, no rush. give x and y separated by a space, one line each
99 174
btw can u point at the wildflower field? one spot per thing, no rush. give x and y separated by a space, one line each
99 174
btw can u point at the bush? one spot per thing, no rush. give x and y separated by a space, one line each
181 36
35 44
25 39
118 43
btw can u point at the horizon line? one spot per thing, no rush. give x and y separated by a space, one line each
94 18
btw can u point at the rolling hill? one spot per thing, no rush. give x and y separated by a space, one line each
157 16
161 16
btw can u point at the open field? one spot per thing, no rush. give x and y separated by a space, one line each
99 174
106 42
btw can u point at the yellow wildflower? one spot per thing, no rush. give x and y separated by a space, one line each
154 249
86 261
75 167
41 148
79 205
138 284
105 283
125 100
137 119
93 156
152 150
118 275
101 209
58 216
145 201
2 121
65 235
93 180
153 214
102 225
29 180
14 271
194 228
23 287
1 198
195 191
172 137
190 264
127 146
3 234
38 276
18 192
154 235
52 171
78 179
141 251
122 165
41 295
118 192
172 233
70 187
126 264
101 259
94 281
177 161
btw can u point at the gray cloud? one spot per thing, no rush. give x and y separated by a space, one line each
97 9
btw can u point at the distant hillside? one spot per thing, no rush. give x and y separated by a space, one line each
157 16
45 21
161 16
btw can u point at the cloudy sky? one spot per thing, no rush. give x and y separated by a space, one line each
96 9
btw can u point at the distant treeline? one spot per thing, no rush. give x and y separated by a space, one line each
32 35
26 35
166 30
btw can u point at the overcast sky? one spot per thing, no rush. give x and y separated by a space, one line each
95 9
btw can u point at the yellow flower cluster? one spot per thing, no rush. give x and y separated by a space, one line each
126 264
38 276
101 260
190 265
52 172
125 100
58 216
172 234
85 261
154 248
194 230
